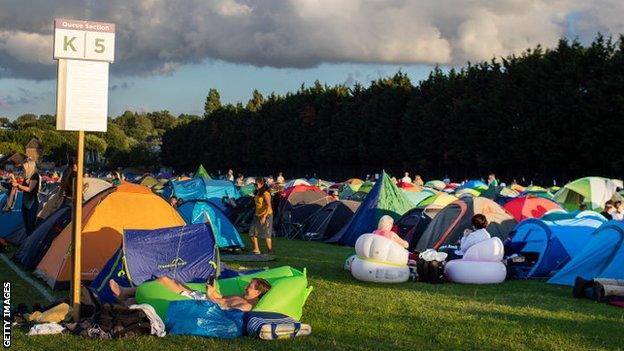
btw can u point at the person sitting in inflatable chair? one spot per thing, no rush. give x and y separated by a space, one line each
253 293
384 228
472 237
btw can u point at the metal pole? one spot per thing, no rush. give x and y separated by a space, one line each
77 231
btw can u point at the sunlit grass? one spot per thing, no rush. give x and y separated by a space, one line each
348 314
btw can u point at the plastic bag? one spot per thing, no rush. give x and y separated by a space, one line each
203 318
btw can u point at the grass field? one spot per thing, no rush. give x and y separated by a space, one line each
349 315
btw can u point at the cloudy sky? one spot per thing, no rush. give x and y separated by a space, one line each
169 53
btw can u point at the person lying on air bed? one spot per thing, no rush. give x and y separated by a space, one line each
253 293
384 228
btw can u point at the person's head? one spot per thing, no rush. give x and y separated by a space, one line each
617 204
407 174
608 205
30 167
280 174
479 221
173 201
230 171
260 183
417 176
334 193
385 223
583 207
240 176
257 288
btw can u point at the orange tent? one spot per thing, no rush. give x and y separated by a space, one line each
105 217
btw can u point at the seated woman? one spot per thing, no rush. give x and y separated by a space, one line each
475 236
253 293
384 228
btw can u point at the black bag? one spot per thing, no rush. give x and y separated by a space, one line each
430 271
121 321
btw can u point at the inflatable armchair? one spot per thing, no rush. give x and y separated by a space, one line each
378 260
481 264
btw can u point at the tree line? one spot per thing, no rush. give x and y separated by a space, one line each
540 115
132 139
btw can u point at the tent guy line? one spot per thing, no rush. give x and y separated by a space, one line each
40 288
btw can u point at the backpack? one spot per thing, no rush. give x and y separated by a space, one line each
430 271
121 321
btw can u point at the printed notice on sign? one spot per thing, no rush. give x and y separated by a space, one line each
82 99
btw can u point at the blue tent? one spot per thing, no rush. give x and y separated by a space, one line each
383 199
35 245
474 184
549 245
202 211
203 189
10 221
602 257
187 254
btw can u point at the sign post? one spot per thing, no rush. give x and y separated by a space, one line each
84 50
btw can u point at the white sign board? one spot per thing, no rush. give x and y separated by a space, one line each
84 40
84 51
82 98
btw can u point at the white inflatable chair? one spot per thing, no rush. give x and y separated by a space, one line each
481 264
378 260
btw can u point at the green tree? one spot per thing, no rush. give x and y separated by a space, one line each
25 121
4 122
213 102
137 126
7 148
162 121
256 101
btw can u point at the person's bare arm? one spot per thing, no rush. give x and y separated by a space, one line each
31 185
397 239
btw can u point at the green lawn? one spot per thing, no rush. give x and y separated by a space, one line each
347 314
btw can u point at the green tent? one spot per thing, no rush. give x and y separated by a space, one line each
384 198
201 172
591 191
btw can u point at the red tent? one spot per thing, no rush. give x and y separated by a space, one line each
529 206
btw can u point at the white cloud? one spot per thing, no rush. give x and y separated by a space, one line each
27 47
157 37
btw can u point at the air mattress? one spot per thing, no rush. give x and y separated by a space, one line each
289 291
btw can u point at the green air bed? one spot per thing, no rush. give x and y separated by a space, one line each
289 291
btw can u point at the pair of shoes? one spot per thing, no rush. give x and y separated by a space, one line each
274 331
580 285
256 252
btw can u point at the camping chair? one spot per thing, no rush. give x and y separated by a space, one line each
288 228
